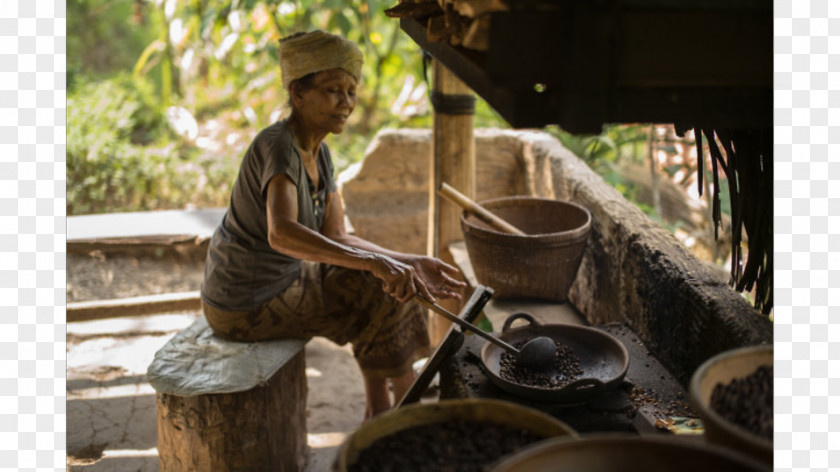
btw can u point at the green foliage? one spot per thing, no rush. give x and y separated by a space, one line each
614 144
605 152
104 36
120 156
216 59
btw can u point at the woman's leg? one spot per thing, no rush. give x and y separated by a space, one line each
387 336
377 397
401 385
343 306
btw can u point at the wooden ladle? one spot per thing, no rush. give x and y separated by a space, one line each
482 213
537 354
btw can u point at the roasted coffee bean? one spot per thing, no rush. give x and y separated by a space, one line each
454 446
748 401
566 369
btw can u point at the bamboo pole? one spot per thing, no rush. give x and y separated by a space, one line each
453 161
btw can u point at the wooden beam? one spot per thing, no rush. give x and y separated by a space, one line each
453 162
121 244
135 306
584 64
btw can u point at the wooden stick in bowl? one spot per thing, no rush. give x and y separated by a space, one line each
468 204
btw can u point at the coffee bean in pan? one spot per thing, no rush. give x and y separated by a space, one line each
748 401
453 446
565 369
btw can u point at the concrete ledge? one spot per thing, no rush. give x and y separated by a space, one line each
637 273
115 232
135 306
152 224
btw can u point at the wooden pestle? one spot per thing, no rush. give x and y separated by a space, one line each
468 204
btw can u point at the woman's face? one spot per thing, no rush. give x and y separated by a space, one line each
328 103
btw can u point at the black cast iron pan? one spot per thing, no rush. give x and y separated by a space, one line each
603 359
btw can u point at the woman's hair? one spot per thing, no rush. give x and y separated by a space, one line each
305 83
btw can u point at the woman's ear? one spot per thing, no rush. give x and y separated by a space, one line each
296 93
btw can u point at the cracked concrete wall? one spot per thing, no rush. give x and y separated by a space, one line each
386 195
633 270
636 272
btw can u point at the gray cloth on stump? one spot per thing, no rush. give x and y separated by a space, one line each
196 362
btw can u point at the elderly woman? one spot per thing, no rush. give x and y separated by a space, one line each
282 265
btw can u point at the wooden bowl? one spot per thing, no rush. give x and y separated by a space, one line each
723 368
482 410
624 452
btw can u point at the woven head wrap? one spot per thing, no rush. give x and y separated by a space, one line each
304 53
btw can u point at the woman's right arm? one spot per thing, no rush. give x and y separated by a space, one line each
293 239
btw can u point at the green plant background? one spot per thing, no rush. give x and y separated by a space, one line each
131 63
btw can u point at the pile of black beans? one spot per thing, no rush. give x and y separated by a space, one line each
566 369
748 401
453 446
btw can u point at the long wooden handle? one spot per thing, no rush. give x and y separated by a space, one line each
464 324
468 204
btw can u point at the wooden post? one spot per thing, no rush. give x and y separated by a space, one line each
453 162
263 428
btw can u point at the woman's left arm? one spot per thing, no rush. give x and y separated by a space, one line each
436 274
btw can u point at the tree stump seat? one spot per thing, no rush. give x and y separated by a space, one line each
229 406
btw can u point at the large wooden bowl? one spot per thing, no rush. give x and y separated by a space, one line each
623 453
482 410
723 368
542 263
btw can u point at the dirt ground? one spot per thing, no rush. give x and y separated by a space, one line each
111 423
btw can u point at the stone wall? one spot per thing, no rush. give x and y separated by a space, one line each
386 196
633 270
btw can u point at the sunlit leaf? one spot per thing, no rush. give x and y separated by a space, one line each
286 8
227 44
182 121
235 21
169 8
154 47
177 31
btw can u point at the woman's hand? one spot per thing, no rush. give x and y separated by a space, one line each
399 280
438 277
427 276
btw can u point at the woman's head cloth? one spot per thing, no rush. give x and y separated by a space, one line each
304 53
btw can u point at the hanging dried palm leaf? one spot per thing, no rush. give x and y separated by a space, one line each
747 162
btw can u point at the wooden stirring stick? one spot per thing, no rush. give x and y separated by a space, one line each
468 204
